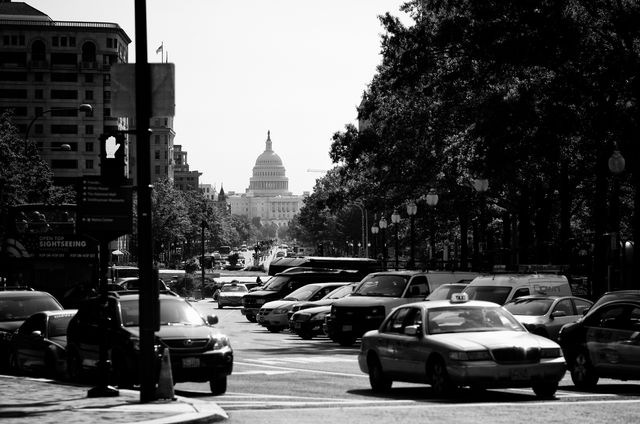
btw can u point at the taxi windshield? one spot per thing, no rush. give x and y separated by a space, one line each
462 319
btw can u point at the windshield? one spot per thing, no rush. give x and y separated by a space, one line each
382 285
276 283
493 294
303 293
173 311
444 292
462 319
340 292
234 288
533 307
19 308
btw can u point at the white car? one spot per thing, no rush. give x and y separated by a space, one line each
453 343
230 294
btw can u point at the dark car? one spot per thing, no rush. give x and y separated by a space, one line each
197 350
545 315
15 307
604 343
39 345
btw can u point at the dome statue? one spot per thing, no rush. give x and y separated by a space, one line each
269 175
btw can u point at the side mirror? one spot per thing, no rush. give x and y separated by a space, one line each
37 333
557 314
413 330
212 319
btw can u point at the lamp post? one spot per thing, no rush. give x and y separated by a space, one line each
383 226
432 202
616 165
395 218
481 185
84 107
375 230
412 209
203 226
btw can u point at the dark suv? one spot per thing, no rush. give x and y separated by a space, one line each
284 283
198 351
16 305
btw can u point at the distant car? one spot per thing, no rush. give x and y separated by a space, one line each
230 294
133 284
198 351
39 345
605 343
445 291
15 307
274 315
455 343
545 315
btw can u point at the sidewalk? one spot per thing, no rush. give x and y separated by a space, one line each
31 400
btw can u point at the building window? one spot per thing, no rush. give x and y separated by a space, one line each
157 169
55 41
88 78
88 147
88 129
64 129
157 154
88 164
156 139
64 164
64 94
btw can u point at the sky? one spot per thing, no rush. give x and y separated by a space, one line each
297 68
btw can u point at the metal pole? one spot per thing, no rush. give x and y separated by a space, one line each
203 225
148 296
397 245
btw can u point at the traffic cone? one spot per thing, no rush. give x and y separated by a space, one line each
165 381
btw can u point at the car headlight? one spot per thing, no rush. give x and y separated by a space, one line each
551 352
220 342
320 315
377 312
280 311
301 317
473 355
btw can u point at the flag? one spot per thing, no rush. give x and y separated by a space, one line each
159 49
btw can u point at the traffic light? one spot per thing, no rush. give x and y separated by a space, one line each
112 157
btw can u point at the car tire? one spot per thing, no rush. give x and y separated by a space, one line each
220 305
345 340
251 318
377 378
439 379
545 389
305 334
218 385
74 367
582 372
273 329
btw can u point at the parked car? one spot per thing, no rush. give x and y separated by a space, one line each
605 343
445 291
16 305
453 343
198 351
274 315
545 315
307 318
617 295
133 284
501 288
39 345
230 294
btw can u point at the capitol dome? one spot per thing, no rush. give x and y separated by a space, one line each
269 175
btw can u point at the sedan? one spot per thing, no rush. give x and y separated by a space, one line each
545 315
39 345
604 343
230 294
454 343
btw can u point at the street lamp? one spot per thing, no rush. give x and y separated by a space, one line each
432 202
395 218
375 230
383 226
412 209
84 107
481 185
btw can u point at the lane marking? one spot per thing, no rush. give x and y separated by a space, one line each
341 374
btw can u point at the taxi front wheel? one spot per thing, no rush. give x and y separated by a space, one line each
377 378
439 377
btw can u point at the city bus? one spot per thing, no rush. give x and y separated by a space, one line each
41 249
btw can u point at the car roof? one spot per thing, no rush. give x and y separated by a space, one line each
23 293
432 304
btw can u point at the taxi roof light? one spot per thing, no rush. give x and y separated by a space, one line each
459 298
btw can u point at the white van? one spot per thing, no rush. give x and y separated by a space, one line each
501 288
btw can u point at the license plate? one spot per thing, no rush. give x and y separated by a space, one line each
521 374
347 328
190 362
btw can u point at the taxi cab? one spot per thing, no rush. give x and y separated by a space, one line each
454 343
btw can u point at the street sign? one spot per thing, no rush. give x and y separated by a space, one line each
123 89
105 211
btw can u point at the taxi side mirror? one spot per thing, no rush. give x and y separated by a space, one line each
413 330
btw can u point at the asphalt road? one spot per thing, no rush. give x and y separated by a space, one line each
281 378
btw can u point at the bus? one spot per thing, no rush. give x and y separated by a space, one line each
41 249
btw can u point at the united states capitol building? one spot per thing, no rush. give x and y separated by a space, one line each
268 196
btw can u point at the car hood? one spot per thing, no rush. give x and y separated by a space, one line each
492 340
10 326
260 293
316 310
279 303
180 331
